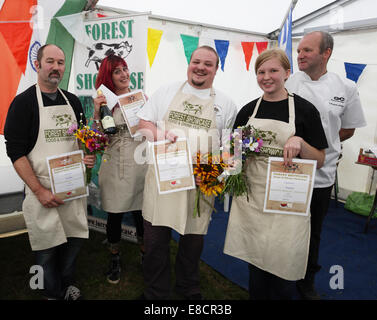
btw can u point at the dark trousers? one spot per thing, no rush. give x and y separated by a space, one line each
266 286
58 265
114 226
156 265
318 210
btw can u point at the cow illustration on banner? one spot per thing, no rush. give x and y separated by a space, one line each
125 36
101 50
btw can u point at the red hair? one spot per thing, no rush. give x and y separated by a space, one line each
106 70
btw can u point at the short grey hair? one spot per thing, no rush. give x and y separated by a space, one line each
327 41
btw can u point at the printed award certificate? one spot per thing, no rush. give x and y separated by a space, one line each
130 104
289 189
67 175
173 166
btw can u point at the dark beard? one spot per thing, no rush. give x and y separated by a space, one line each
197 84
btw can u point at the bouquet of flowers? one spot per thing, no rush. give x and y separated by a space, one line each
244 142
92 142
208 168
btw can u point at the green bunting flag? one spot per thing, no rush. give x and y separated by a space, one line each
190 43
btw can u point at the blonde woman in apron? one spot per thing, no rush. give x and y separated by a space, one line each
120 178
55 228
162 213
274 245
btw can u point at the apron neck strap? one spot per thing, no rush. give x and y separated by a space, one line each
256 107
291 108
40 99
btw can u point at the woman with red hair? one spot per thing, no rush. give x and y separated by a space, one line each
120 178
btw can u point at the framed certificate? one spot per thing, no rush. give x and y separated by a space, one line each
67 175
289 189
173 166
130 104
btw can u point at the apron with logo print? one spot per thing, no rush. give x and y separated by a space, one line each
121 178
194 118
50 227
276 243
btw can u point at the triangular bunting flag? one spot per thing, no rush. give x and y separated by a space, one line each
60 36
248 48
154 38
190 43
222 50
354 70
261 46
74 24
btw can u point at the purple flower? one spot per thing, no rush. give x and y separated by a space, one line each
72 129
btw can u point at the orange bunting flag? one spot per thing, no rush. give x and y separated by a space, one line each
261 46
15 39
248 48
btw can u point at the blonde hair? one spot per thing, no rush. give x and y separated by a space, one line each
270 54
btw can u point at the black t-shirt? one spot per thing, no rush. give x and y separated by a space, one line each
22 123
307 118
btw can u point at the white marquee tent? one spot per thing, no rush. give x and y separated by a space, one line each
354 26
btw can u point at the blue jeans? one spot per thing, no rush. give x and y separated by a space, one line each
58 265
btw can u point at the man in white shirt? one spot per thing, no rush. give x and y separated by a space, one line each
338 102
199 112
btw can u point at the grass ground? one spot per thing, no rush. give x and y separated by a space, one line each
16 258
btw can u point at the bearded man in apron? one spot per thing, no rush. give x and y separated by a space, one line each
275 245
55 228
162 213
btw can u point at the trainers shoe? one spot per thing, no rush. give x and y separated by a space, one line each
113 275
72 293
307 291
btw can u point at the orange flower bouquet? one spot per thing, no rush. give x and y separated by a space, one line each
92 142
208 168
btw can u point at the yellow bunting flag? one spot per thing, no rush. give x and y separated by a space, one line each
154 37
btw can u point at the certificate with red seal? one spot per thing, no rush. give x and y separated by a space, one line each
173 166
67 175
289 189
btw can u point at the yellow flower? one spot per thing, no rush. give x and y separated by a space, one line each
208 168
212 188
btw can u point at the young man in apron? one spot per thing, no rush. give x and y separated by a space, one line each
337 100
55 228
162 213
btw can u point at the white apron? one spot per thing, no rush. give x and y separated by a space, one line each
175 210
50 227
120 178
276 243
